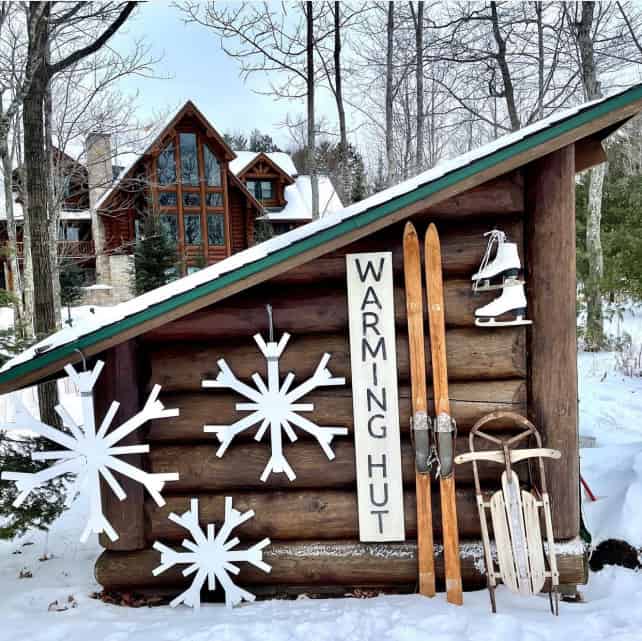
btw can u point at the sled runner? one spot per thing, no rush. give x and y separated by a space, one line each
515 513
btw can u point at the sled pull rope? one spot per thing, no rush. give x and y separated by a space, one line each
497 236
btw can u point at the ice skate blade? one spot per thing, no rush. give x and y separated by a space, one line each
488 287
491 322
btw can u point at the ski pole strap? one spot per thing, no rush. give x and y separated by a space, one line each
445 429
421 432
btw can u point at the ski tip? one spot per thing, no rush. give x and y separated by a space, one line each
432 230
409 230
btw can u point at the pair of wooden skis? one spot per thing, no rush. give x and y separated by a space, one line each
434 440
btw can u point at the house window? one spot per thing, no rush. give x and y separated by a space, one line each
192 228
212 170
189 159
167 165
191 199
216 229
261 189
214 199
68 232
170 225
167 199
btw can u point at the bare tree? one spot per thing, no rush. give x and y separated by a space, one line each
280 41
84 23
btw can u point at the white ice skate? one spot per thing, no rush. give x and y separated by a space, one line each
511 303
504 265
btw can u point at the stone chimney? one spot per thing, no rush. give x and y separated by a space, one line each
98 150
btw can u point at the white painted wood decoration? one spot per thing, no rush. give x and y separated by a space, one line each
90 454
275 406
373 358
211 556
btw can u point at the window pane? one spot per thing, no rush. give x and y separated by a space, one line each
167 199
253 188
189 159
167 165
212 170
266 189
192 224
215 229
214 199
168 221
191 199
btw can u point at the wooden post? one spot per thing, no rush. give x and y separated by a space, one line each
119 382
552 350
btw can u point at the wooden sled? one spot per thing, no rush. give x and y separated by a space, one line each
516 513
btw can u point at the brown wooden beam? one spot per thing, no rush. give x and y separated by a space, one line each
321 563
468 402
473 355
552 346
589 152
119 381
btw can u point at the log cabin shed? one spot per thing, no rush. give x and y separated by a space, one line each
523 183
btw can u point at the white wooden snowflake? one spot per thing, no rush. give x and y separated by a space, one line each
275 406
90 454
211 556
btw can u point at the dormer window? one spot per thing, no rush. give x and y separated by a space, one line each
261 189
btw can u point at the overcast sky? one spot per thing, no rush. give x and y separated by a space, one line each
201 71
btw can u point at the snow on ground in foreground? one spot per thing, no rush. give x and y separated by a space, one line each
611 412
608 612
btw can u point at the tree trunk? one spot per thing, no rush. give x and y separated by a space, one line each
593 284
345 189
389 95
36 181
7 171
54 203
502 62
312 147
539 9
419 72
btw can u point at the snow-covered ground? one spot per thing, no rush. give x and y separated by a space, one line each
610 411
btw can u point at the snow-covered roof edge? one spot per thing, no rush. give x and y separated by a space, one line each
45 358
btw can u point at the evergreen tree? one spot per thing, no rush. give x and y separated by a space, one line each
72 279
262 142
155 257
236 140
44 503
379 183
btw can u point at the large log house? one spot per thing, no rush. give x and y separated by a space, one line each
523 183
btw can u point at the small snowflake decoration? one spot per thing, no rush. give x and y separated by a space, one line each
211 557
275 406
90 454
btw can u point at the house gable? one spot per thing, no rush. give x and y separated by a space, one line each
300 246
266 180
184 178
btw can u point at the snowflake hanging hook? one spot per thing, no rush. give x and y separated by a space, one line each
275 406
91 453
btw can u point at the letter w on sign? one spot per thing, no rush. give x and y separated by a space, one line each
373 364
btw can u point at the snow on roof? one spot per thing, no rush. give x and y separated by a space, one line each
281 159
278 243
299 200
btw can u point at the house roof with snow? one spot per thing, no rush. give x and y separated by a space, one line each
587 124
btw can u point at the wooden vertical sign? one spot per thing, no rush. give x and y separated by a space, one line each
373 362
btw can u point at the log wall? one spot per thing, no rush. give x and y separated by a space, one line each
312 521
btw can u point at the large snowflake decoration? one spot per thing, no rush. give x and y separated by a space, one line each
275 406
91 453
211 556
